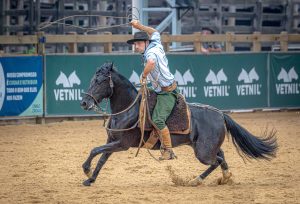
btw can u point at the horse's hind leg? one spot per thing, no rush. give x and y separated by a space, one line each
198 180
225 171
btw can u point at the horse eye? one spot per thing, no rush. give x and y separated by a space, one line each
98 81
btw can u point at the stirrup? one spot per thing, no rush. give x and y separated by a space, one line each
167 154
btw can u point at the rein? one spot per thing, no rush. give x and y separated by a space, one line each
99 110
143 112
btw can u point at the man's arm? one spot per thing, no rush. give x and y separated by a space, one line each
150 65
136 24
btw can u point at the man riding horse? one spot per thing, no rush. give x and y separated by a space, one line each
156 69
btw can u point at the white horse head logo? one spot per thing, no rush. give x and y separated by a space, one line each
67 82
179 78
185 78
248 78
134 78
73 79
287 77
62 79
216 79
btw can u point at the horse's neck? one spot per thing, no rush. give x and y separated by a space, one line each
123 96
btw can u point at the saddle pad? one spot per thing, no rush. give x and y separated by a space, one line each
179 120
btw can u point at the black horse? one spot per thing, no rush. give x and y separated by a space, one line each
209 127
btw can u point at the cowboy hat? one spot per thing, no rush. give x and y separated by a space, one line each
139 36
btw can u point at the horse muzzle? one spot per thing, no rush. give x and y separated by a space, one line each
87 104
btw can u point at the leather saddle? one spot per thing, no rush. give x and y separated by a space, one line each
179 121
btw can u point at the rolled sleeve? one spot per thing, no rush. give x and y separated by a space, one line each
155 37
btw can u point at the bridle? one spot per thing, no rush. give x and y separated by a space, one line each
111 85
100 110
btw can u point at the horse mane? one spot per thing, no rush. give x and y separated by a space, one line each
108 68
126 82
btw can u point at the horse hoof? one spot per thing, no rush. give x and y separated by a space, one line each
225 178
87 182
88 173
195 182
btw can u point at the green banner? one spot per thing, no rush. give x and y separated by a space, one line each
68 76
231 81
226 81
284 80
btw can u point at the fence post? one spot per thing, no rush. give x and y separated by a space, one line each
72 47
228 43
108 45
256 44
41 40
166 41
284 41
197 42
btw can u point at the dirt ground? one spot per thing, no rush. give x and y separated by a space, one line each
42 164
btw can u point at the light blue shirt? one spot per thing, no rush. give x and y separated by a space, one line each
161 75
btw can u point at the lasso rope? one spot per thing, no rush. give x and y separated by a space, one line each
128 16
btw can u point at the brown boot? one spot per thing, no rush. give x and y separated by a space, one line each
167 153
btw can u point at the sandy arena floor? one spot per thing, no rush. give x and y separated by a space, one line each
42 164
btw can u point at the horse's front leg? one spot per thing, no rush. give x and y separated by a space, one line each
92 176
107 148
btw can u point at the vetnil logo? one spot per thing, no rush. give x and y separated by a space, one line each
134 78
67 92
185 83
249 87
290 81
217 88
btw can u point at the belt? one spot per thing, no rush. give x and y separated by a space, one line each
170 88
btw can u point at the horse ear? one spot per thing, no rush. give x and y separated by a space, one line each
111 65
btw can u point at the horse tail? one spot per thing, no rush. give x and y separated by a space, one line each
251 146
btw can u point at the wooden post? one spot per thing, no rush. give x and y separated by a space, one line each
166 43
256 44
284 41
289 16
258 16
72 47
108 45
197 43
231 20
295 13
228 43
41 40
7 18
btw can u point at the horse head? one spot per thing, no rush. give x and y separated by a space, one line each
253 75
62 79
292 74
188 77
283 75
101 87
221 76
244 76
211 77
73 79
179 78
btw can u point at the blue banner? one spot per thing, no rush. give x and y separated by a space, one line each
21 86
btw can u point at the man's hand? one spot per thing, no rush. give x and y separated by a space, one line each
143 80
135 23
